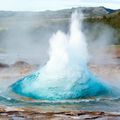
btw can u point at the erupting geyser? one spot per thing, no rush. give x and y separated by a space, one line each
65 76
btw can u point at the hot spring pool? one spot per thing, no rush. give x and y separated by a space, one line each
65 82
90 104
65 75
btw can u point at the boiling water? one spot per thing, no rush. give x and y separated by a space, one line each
65 82
65 76
91 104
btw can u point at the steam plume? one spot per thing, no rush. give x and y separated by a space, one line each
65 76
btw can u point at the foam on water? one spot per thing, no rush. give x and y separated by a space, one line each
66 75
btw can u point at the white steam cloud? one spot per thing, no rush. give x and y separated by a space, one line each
65 75
67 49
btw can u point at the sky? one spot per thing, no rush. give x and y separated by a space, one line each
41 5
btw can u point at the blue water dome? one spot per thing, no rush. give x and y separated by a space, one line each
65 75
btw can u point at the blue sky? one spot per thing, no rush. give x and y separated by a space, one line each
40 5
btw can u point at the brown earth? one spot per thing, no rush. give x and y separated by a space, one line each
29 114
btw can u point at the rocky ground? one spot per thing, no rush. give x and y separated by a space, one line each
27 114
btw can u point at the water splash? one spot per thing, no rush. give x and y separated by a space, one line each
66 75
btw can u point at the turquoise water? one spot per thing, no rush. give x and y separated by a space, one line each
90 104
65 82
65 75
84 86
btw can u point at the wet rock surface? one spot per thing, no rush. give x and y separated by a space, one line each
2 65
29 114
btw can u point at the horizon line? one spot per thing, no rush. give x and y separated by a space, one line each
53 10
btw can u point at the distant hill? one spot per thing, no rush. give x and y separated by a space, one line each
111 19
88 11
43 24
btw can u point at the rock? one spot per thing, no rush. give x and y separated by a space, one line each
2 65
70 115
2 109
21 64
